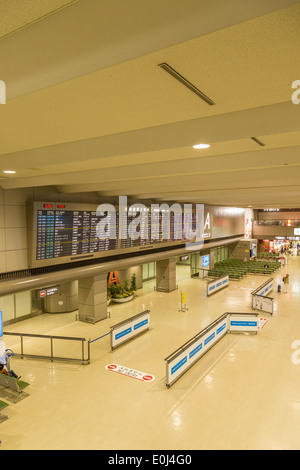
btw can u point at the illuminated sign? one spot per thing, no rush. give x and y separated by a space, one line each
205 261
49 291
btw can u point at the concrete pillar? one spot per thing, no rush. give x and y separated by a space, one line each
65 301
166 275
92 298
126 274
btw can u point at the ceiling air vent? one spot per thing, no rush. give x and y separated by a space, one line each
259 142
186 83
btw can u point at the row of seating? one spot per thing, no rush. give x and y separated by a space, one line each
237 269
264 255
14 385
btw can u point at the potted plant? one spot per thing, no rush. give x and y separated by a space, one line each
133 282
121 293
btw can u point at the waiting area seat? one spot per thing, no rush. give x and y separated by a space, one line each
237 269
13 384
3 405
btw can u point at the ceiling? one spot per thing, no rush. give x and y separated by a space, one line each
89 109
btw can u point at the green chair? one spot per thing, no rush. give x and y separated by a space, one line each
2 406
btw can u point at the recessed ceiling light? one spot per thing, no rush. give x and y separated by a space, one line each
9 171
201 146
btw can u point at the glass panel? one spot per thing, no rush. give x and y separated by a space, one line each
151 272
145 271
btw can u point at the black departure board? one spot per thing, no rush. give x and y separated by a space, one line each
67 232
151 229
63 233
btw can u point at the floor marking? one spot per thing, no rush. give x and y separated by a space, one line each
195 384
135 374
262 322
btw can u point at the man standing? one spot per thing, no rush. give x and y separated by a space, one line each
286 282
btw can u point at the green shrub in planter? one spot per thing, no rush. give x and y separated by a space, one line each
120 291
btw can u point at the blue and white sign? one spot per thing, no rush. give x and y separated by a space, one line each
129 328
217 284
243 323
260 297
175 367
265 289
205 261
1 324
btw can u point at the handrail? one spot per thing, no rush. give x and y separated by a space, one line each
57 277
262 285
83 360
202 333
194 338
117 325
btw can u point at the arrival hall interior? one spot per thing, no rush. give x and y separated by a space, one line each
149 225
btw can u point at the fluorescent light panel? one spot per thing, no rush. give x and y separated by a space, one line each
201 146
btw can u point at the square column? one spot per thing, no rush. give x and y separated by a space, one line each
166 275
64 301
92 298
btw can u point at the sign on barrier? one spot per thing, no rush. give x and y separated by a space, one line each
186 356
217 284
266 288
243 323
129 328
265 304
260 299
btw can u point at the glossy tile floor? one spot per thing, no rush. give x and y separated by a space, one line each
243 394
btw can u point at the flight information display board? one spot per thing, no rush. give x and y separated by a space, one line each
67 232
63 233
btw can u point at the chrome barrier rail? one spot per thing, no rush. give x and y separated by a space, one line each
190 352
83 360
129 328
184 357
217 284
261 301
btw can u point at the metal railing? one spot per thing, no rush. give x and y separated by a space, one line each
83 360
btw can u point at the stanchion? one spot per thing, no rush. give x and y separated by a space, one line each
183 306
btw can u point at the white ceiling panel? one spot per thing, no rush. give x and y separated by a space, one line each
89 109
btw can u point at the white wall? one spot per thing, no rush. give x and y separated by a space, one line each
13 235
13 238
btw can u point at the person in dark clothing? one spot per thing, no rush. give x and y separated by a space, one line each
11 373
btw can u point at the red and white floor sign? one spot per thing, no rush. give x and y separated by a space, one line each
262 322
135 374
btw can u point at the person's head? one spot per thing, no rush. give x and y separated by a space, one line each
1 366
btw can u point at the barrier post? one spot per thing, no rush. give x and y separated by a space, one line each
183 306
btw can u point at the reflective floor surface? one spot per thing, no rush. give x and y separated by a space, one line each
243 394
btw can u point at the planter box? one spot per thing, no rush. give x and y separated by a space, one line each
121 301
